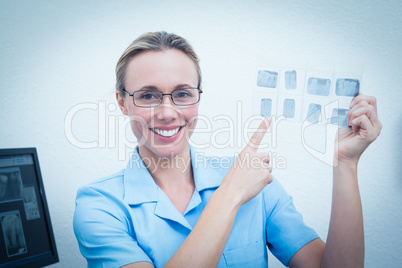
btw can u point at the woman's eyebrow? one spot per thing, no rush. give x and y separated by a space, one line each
183 86
150 87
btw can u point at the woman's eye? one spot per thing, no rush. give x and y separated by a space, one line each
147 96
182 94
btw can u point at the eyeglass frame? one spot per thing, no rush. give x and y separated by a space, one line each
163 94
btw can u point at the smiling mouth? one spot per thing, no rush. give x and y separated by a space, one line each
166 133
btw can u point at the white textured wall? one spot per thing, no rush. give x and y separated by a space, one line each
55 55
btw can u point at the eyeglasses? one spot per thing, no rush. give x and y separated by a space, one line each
152 98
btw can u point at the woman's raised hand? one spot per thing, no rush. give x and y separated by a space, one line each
250 172
366 127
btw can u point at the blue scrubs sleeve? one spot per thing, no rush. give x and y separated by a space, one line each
286 232
104 232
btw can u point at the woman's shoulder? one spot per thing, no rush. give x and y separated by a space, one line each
111 184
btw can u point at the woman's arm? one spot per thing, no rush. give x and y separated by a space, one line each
204 245
345 241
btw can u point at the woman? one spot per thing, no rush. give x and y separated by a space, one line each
163 211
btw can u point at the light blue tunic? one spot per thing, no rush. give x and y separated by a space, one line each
126 218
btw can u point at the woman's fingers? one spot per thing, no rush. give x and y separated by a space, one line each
250 155
254 143
364 105
369 99
368 110
255 160
265 160
269 167
251 171
264 157
363 122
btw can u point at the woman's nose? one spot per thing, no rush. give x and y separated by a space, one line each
166 111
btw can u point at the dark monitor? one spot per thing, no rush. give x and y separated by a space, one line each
26 234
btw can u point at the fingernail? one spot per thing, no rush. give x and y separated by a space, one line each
352 103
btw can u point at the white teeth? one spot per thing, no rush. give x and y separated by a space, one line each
166 133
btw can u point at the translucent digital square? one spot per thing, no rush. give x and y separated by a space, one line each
266 107
314 111
339 117
289 108
267 79
291 80
347 87
318 86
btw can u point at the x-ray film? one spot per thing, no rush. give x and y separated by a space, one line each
13 233
307 94
290 80
266 107
289 108
318 86
313 113
30 203
267 79
339 117
10 184
347 87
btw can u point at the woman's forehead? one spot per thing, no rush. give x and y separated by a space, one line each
160 69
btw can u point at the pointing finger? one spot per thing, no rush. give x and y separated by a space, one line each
256 139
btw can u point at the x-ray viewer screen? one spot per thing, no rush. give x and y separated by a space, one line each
26 236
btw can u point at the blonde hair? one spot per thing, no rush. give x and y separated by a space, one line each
153 41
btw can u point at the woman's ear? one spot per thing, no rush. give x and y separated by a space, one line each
121 101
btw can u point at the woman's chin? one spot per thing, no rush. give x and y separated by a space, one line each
167 151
